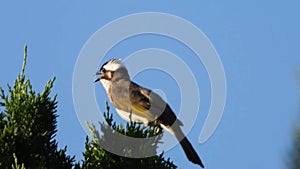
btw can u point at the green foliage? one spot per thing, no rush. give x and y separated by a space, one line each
97 157
28 127
16 165
294 161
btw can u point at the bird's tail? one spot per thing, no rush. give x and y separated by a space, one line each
190 152
187 147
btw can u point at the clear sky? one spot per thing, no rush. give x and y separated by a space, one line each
257 41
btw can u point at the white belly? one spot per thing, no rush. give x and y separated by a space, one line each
131 117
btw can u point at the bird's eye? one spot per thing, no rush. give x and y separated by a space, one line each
103 70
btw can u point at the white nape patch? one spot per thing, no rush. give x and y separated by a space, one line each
113 65
134 118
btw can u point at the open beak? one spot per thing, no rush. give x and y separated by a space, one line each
98 79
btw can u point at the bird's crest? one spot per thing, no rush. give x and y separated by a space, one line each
112 64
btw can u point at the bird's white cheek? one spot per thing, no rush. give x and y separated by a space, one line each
106 84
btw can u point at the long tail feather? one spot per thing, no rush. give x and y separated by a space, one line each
190 152
187 147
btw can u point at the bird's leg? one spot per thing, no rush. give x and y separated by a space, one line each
130 116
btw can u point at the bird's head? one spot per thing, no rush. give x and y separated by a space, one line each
108 70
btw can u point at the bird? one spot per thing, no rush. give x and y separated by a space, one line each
135 103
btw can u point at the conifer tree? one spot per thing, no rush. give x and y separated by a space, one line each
97 157
293 161
28 127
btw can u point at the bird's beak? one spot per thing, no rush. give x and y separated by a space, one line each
98 79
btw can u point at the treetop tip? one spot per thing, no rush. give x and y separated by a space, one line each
24 60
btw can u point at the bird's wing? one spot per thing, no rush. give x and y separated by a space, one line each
150 105
147 103
140 102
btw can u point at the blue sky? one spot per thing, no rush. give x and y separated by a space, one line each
257 41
